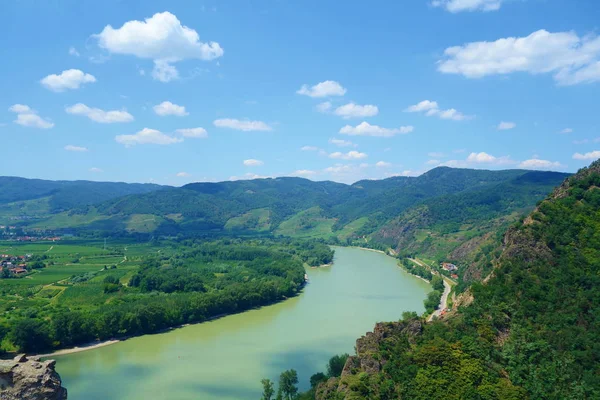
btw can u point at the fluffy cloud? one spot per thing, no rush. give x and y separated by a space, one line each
98 115
253 163
324 107
70 147
304 172
28 117
248 176
366 129
323 89
352 110
163 71
245 125
351 155
383 164
592 155
193 132
455 6
536 163
73 51
95 170
503 126
309 148
342 143
161 38
431 108
68 79
167 108
147 136
485 158
566 130
433 162
570 58
182 175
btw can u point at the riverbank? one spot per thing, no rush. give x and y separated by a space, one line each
79 349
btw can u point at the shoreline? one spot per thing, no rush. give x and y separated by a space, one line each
79 349
366 248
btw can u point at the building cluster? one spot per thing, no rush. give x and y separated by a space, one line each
449 267
14 264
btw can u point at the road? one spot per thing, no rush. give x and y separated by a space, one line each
447 288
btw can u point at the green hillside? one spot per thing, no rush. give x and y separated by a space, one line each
282 206
531 331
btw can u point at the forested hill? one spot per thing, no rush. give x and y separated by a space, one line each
531 331
38 196
293 206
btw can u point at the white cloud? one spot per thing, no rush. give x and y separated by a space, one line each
167 108
342 143
163 71
425 105
98 115
351 155
309 148
323 89
592 155
68 79
366 129
245 125
352 110
504 126
70 147
253 163
73 51
570 58
182 175
247 176
304 172
161 38
536 163
96 170
567 130
147 136
481 158
193 132
455 6
433 162
407 172
28 117
324 107
431 108
383 164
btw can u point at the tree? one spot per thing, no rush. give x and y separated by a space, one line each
268 390
317 378
30 335
288 384
336 365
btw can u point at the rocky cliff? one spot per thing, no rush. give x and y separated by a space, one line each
30 379
368 361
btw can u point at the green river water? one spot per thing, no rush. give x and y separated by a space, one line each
226 358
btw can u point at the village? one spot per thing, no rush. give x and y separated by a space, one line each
15 233
11 265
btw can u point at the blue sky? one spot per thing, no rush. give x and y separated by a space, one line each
175 92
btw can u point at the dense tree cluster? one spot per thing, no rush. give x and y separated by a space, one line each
197 282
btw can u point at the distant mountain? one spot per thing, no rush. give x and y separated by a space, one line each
370 210
42 196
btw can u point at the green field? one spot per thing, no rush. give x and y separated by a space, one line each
307 224
258 220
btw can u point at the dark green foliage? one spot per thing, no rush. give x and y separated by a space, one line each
437 283
288 385
317 378
336 365
432 301
30 335
268 390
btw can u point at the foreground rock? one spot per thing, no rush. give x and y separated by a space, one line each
30 379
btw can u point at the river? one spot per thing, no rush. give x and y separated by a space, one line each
226 358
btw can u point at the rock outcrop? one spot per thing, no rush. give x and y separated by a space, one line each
30 379
368 358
